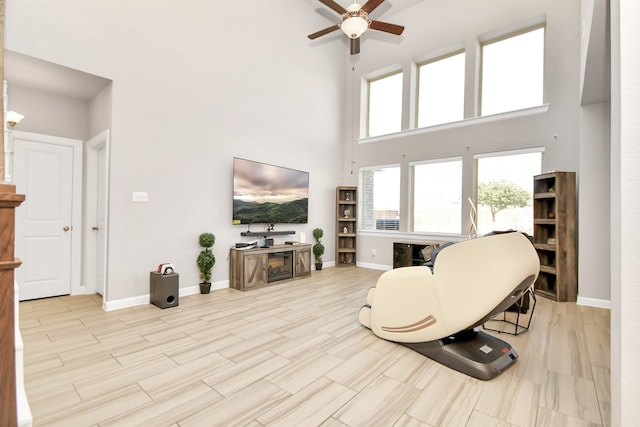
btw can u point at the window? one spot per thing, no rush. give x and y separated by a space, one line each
504 190
380 198
436 189
385 105
441 90
512 72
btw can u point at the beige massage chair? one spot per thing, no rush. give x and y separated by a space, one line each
437 313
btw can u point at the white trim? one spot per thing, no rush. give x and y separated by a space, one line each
146 299
126 302
93 146
515 152
541 109
426 237
374 266
594 302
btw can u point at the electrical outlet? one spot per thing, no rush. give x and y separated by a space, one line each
140 197
373 253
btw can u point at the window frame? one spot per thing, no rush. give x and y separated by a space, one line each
503 153
506 36
411 189
368 105
416 91
361 197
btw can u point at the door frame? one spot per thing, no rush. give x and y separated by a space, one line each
77 287
94 145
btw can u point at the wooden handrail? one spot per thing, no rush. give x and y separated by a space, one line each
9 200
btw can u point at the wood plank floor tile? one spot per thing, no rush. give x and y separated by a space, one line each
360 370
299 374
445 401
510 398
169 409
181 376
310 406
246 372
295 354
90 412
381 403
571 396
238 409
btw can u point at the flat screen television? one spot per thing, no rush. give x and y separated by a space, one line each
268 194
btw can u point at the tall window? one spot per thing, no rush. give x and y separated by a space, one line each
512 72
380 198
504 190
385 105
441 90
436 189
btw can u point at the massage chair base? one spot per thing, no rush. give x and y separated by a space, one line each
471 352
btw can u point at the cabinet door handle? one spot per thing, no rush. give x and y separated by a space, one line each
94 228
66 228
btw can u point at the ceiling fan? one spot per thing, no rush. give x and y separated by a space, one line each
355 22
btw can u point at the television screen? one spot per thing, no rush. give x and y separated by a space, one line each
268 194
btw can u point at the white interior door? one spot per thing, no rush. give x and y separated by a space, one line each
44 172
97 170
101 222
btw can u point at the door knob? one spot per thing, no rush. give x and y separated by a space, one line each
65 228
94 228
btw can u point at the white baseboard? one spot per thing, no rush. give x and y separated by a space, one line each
126 302
593 302
146 299
193 290
374 266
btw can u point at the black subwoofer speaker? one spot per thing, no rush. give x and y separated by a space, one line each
164 289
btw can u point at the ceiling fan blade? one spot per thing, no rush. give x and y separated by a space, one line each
323 32
335 6
370 5
386 27
355 46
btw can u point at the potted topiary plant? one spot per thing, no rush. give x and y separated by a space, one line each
206 260
318 248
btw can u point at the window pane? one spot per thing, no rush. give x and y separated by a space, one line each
441 91
437 189
385 105
505 191
380 201
512 73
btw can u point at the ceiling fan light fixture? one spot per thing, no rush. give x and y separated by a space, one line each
354 27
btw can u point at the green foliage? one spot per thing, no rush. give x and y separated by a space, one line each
318 251
500 195
206 260
207 240
318 248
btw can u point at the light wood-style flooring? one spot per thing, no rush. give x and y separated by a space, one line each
294 354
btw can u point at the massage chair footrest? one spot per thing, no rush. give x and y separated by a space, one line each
472 352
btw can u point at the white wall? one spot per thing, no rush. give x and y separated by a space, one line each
625 222
48 113
594 205
191 90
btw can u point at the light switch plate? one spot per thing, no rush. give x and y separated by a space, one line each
140 197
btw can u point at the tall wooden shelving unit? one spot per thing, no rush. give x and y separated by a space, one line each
554 235
346 226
